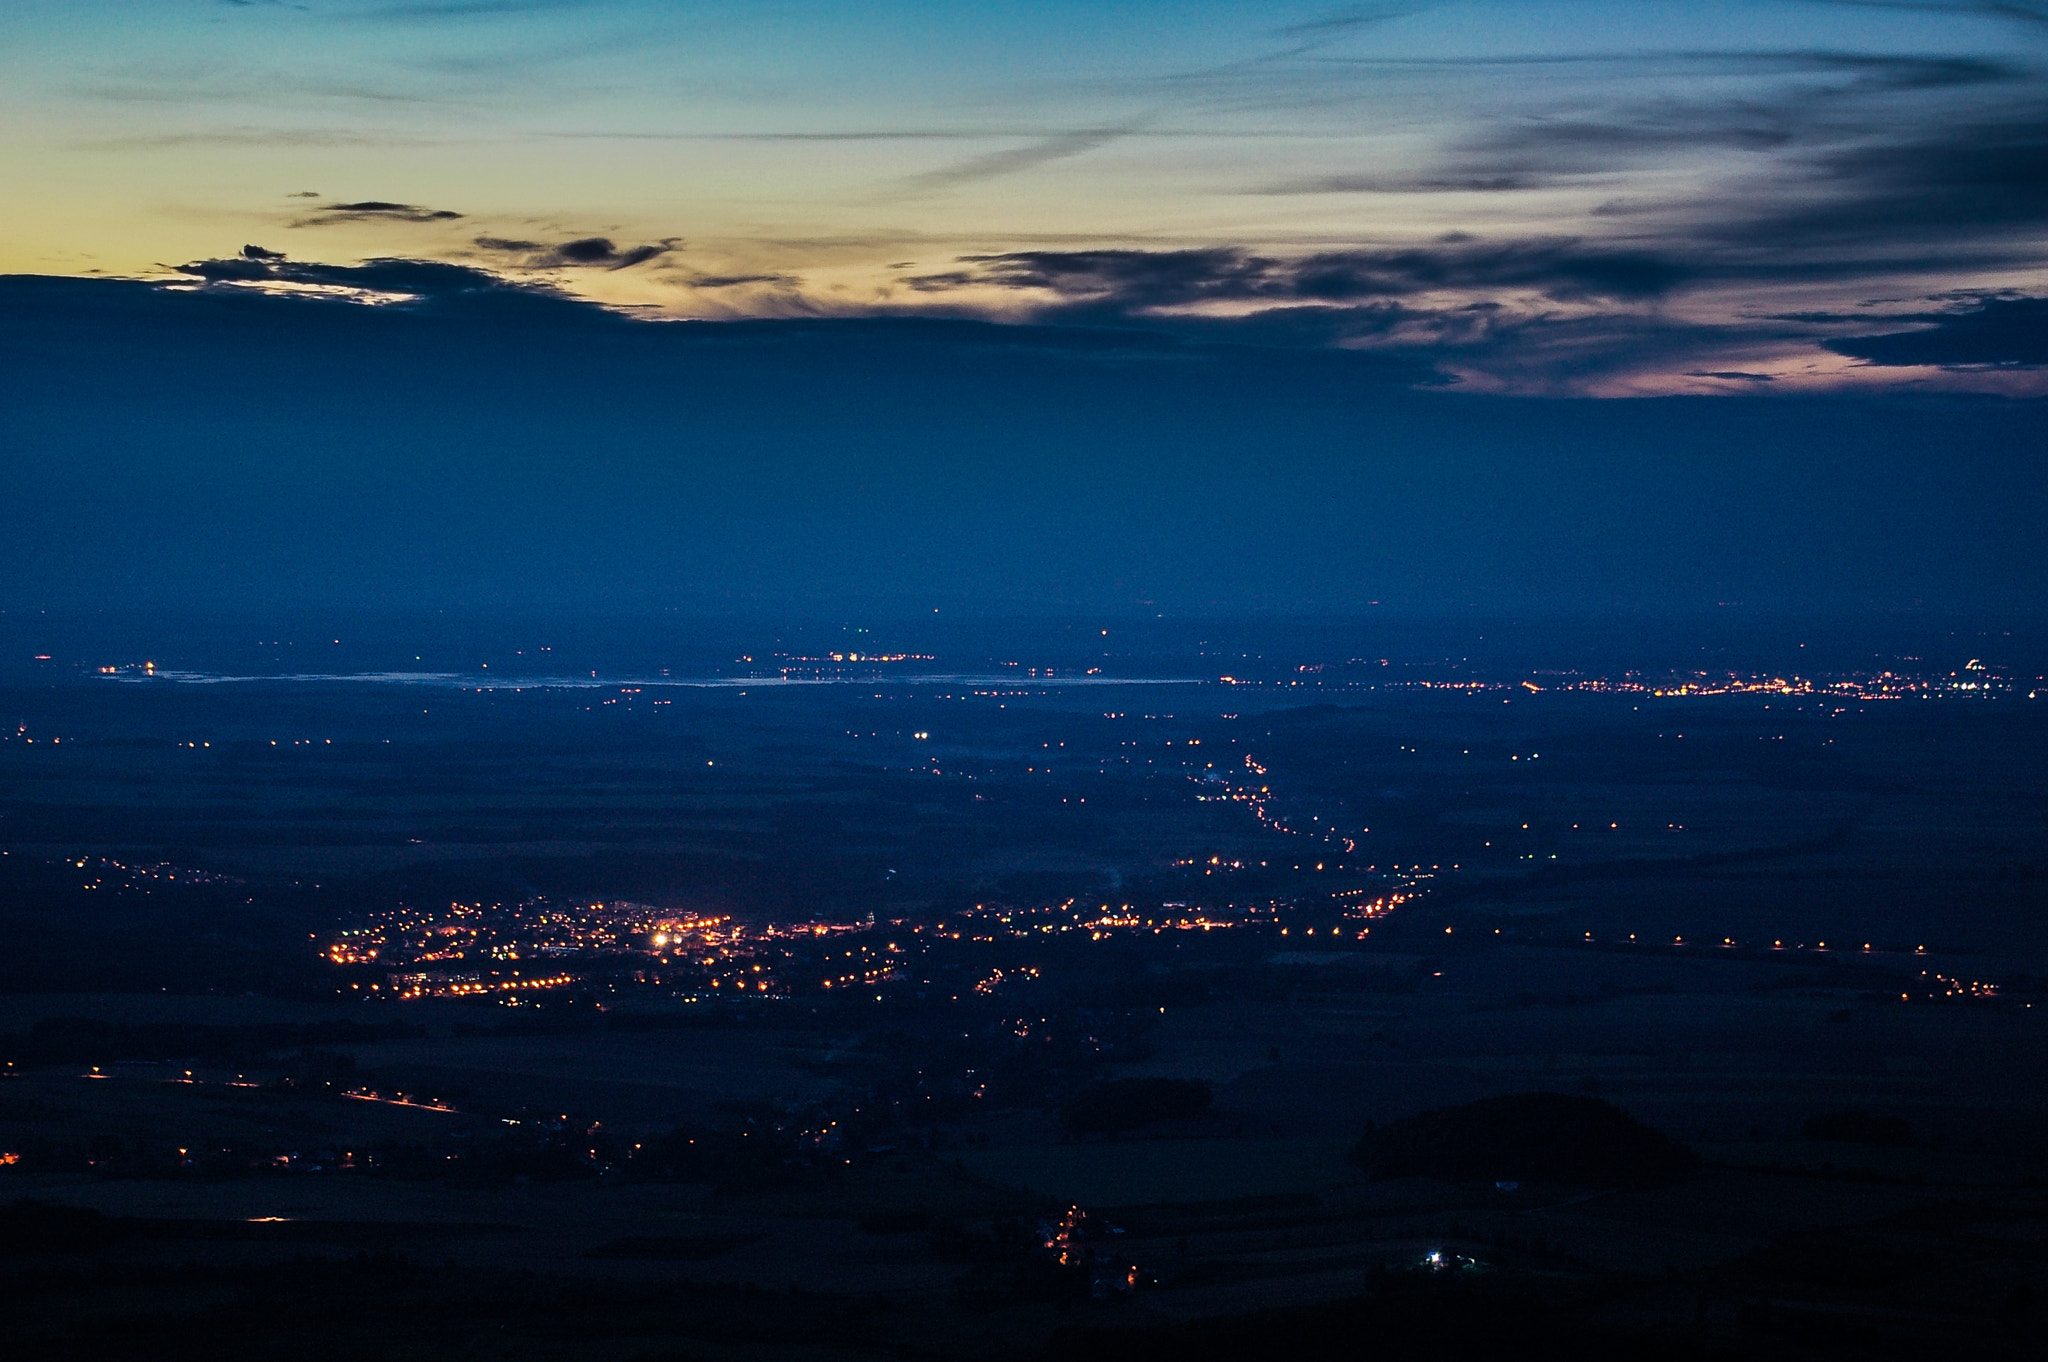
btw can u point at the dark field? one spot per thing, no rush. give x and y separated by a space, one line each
1331 894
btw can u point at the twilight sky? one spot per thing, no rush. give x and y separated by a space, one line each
1206 306
1591 197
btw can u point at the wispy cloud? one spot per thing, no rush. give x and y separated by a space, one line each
1349 21
1134 281
1979 176
2014 10
1414 183
589 252
374 210
468 9
260 137
213 82
1012 160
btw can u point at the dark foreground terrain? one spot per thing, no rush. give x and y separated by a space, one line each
1008 1008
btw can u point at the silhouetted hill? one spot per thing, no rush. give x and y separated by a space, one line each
1125 1103
1526 1137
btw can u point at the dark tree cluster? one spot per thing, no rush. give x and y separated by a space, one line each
1526 1137
1857 1127
1127 1103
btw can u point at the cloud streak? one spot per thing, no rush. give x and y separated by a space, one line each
375 210
1013 160
1136 281
259 137
590 252
382 280
1995 333
467 9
